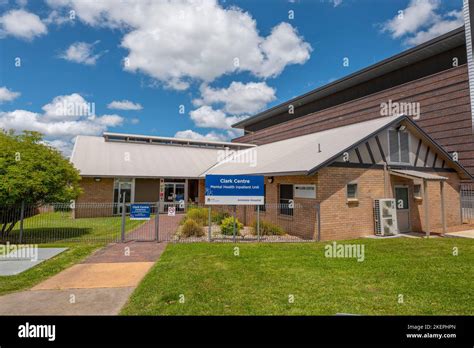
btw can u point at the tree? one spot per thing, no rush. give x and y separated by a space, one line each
32 172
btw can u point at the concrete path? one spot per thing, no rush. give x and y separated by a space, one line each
100 285
461 234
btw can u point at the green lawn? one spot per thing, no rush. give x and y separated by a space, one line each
260 280
88 235
60 226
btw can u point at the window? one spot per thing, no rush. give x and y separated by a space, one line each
351 191
417 191
262 207
286 199
398 146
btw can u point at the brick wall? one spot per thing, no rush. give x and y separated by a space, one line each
96 199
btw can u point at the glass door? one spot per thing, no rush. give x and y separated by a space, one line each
174 193
122 189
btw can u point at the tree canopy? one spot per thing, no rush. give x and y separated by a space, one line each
33 171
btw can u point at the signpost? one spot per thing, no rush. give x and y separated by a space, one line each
234 190
139 212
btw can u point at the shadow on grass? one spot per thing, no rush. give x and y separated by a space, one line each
51 234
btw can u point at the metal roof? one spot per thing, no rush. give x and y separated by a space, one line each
303 154
170 141
430 48
416 174
94 156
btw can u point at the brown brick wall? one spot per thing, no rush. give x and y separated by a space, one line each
96 199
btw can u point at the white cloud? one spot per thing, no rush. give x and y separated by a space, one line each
238 98
207 117
7 95
21 24
190 134
336 3
135 120
81 52
420 22
177 42
124 105
449 22
61 123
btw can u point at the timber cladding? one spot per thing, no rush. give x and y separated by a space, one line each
445 113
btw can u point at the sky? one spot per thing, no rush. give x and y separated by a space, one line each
188 68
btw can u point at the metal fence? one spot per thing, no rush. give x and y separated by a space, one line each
173 222
467 203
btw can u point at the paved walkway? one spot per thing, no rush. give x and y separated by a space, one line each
462 234
146 231
100 285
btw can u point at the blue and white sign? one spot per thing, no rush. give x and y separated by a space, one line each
139 212
235 189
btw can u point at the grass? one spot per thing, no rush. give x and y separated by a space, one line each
61 227
259 282
88 234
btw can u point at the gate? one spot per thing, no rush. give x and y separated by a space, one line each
467 203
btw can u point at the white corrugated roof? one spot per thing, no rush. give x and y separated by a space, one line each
93 156
300 154
417 174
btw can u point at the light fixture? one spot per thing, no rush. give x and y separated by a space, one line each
97 179
270 179
401 128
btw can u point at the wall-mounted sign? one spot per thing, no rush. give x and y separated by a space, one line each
305 191
235 189
171 211
139 212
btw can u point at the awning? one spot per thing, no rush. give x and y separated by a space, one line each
414 174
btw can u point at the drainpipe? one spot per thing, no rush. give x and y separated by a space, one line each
385 174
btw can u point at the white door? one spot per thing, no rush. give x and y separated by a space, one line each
403 208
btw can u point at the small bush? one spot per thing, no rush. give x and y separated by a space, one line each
199 215
191 228
227 226
268 229
218 216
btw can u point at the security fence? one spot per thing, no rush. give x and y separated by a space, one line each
467 203
173 222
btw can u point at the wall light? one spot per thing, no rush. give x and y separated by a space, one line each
97 179
270 179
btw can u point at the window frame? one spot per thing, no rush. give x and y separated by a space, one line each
390 161
356 197
418 196
282 211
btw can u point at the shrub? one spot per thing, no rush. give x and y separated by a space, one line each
199 215
227 226
191 228
268 229
218 216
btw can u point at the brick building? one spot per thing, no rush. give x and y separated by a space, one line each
345 143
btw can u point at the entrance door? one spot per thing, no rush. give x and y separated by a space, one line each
403 208
174 193
122 188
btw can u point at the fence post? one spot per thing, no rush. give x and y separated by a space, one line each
22 216
157 222
124 208
235 212
209 234
318 216
258 223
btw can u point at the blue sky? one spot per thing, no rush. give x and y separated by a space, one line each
188 68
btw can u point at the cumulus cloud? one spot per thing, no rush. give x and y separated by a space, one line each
190 134
124 105
420 22
82 53
63 119
238 98
7 95
177 42
207 117
21 24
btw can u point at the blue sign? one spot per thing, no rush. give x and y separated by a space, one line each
235 189
139 212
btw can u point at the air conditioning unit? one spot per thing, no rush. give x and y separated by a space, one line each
385 211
